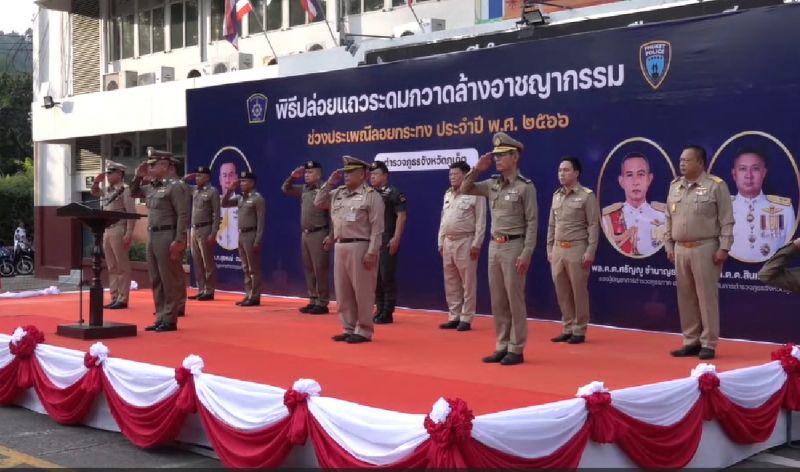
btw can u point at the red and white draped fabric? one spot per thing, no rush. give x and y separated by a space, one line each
251 425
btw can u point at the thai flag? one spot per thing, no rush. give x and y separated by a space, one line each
311 7
235 10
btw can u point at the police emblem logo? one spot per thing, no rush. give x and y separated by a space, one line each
497 141
654 59
257 108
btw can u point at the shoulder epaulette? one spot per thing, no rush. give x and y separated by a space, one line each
524 179
783 201
675 180
497 177
658 206
587 190
370 189
716 179
612 208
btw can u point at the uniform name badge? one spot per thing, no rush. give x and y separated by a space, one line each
512 196
350 215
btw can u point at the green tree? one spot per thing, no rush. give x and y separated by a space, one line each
16 96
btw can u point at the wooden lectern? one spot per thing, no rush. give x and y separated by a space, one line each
97 221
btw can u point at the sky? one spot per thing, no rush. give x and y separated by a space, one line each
17 15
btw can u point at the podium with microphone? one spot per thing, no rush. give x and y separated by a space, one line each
97 221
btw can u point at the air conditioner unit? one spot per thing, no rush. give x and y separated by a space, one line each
119 80
429 25
315 47
232 63
162 74
198 70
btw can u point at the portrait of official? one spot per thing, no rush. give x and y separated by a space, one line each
763 222
226 165
636 225
764 183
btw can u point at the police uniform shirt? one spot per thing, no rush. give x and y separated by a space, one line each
762 226
311 217
513 204
205 206
699 211
463 214
574 216
354 214
167 205
251 208
394 202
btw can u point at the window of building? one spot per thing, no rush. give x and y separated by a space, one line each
217 18
352 7
183 21
398 3
373 5
298 16
151 26
274 16
121 29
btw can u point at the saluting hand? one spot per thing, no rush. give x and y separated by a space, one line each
485 162
100 178
335 177
522 265
141 170
298 172
189 177
369 260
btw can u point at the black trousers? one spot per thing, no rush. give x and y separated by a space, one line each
386 288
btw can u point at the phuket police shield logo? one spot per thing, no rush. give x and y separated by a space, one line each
654 59
257 108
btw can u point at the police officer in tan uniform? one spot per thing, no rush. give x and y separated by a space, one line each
117 237
512 199
315 239
357 216
462 229
572 232
167 219
775 273
205 224
251 210
187 195
698 237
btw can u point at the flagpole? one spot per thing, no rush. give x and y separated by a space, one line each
421 28
264 30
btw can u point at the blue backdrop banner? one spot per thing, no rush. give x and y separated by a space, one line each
730 83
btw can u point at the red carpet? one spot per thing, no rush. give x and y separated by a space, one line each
407 368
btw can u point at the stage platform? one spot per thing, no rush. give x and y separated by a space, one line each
407 367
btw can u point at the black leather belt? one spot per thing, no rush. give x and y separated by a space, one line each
202 225
503 238
247 230
352 240
314 230
155 229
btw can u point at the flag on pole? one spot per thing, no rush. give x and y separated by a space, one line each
235 10
409 3
311 7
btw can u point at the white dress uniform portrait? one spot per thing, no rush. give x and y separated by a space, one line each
763 223
635 227
228 234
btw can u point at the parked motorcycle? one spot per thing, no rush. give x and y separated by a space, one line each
7 268
23 258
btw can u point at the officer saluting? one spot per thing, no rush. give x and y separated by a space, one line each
251 209
357 216
315 238
117 237
512 199
205 224
167 219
